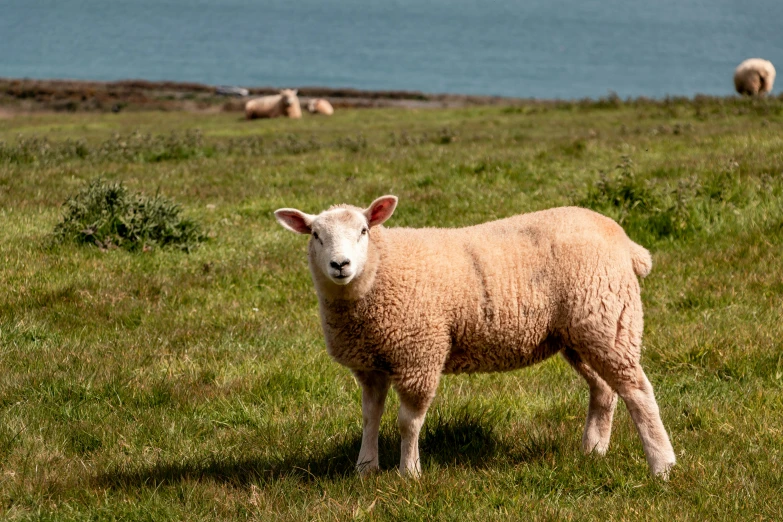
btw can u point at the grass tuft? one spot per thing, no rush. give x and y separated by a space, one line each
107 215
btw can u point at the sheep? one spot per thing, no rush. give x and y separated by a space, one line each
403 306
284 104
754 77
320 106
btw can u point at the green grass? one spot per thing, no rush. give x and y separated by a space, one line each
161 384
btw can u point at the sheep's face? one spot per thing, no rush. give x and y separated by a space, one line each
289 97
338 244
339 237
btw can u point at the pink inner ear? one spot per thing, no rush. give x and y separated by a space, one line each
381 211
294 220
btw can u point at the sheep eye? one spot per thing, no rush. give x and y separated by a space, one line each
364 231
315 235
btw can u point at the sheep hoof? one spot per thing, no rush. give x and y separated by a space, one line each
595 448
410 473
662 472
366 469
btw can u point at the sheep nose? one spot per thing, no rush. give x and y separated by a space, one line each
339 266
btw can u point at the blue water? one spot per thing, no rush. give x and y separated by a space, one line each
525 48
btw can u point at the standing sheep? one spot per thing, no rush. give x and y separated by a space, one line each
284 104
754 77
402 306
320 106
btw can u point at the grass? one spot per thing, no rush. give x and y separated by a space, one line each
160 384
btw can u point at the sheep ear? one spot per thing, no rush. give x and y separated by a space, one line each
294 220
380 210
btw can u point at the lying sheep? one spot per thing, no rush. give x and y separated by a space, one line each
285 104
402 306
754 77
320 106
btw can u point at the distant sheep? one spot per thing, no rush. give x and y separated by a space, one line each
285 104
402 306
754 77
320 106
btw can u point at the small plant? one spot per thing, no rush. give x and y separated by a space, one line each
642 207
293 144
625 191
445 136
357 144
404 139
107 215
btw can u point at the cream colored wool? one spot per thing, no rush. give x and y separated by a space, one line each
754 77
285 104
402 306
320 106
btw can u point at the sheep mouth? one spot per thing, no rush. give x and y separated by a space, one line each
342 279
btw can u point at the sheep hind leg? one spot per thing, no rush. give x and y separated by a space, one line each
375 387
598 427
625 375
637 393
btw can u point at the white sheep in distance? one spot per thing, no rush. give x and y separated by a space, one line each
285 104
754 77
320 106
402 306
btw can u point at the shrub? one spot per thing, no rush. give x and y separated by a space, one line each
107 215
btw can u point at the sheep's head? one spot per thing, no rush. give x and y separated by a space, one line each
289 97
340 236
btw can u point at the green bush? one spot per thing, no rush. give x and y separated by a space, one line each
107 215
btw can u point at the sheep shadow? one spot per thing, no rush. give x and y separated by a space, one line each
466 440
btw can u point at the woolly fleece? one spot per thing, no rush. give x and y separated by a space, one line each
754 77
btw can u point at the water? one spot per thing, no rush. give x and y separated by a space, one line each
526 48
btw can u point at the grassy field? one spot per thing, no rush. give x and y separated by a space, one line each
157 384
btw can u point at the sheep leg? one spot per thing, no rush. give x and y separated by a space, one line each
640 400
375 387
413 409
598 428
632 385
615 358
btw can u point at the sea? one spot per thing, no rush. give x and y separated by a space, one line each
565 49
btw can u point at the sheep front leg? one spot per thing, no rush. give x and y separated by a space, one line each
375 387
413 409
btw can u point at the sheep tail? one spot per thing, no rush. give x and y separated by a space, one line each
640 259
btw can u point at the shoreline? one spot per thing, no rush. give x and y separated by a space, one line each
25 95
63 95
